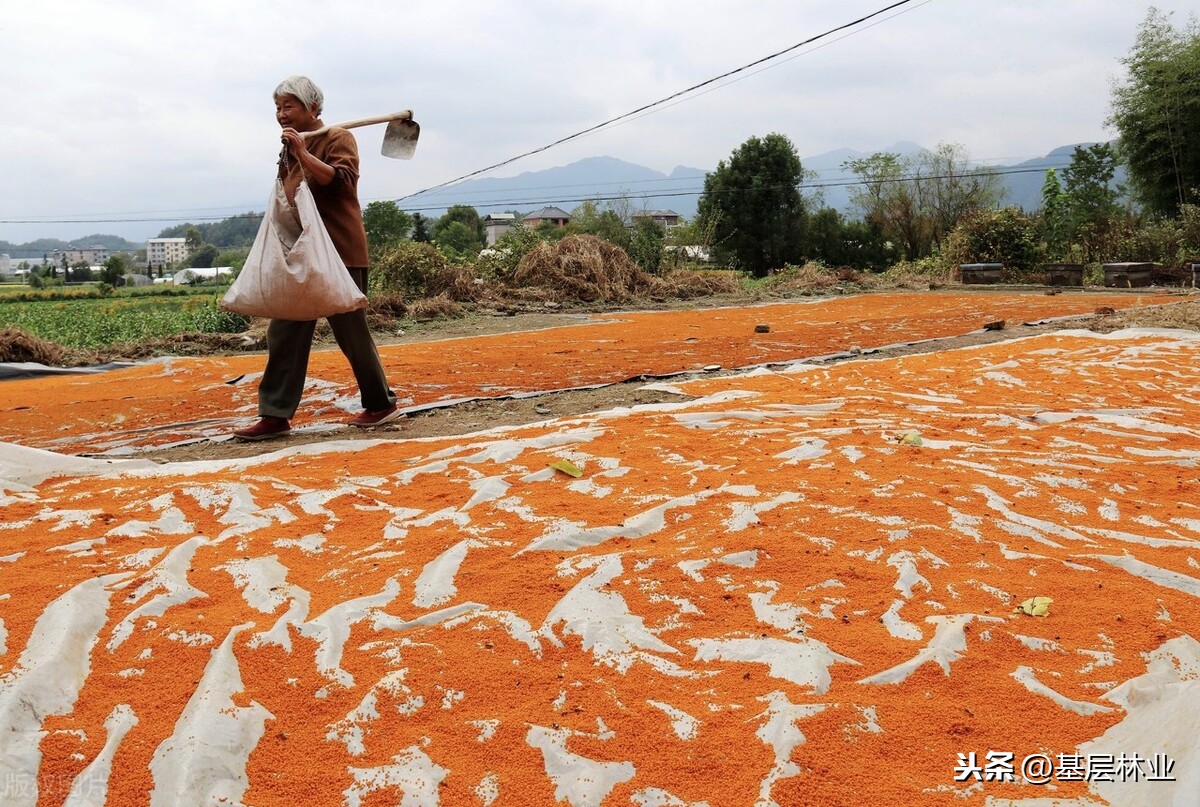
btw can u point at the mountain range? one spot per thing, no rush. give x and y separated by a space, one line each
636 187
609 179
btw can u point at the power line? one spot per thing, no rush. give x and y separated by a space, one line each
541 200
518 195
660 195
784 61
662 101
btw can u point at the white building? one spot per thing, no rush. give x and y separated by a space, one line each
95 254
6 266
497 224
162 251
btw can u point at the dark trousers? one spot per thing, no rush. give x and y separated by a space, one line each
289 344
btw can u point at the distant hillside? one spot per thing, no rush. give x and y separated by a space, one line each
596 178
1021 183
833 183
34 250
235 231
1024 189
608 178
568 185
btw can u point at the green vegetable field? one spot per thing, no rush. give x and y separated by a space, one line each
93 322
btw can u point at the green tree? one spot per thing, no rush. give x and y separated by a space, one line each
113 271
420 229
204 257
918 200
234 257
950 190
550 232
888 202
1054 215
754 206
836 242
235 231
1147 238
589 219
825 236
79 272
1089 199
865 247
1189 234
1006 236
456 240
646 247
386 224
469 218
201 254
1157 114
408 268
194 239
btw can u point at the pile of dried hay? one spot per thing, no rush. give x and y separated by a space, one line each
581 268
855 277
1184 316
383 309
455 282
812 276
18 346
440 307
687 284
921 274
185 344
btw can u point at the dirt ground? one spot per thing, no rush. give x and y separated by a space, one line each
478 415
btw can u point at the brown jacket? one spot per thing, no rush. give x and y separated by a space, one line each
337 202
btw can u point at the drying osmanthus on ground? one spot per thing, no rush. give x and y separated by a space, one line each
963 576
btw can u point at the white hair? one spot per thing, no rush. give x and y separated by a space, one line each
303 89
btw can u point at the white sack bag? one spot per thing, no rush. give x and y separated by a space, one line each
293 270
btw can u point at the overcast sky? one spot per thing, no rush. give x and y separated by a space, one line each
162 111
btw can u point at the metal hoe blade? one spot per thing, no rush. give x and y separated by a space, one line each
400 139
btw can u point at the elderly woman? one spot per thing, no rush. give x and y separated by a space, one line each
329 161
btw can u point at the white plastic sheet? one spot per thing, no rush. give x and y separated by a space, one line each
293 270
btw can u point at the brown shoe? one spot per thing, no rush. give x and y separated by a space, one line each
266 428
365 420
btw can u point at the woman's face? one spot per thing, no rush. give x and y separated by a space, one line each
289 111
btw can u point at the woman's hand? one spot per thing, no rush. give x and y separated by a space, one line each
316 170
295 143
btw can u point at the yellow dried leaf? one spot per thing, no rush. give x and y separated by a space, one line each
1036 606
567 467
